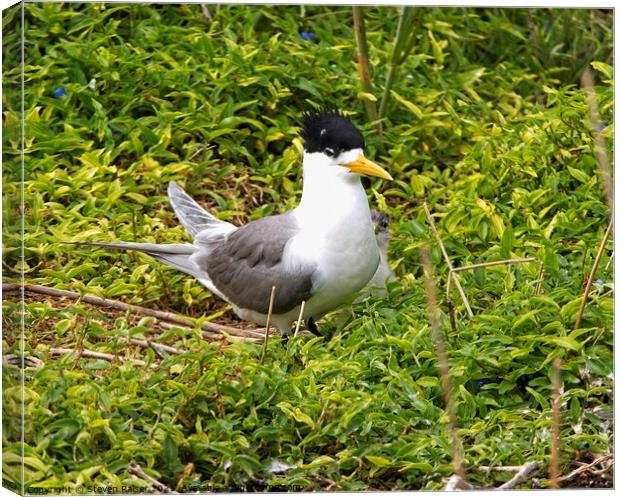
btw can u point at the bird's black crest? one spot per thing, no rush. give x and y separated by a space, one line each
329 131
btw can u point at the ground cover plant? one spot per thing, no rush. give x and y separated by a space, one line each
484 121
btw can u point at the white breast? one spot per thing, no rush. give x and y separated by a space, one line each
336 237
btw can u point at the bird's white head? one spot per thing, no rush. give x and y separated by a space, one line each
334 146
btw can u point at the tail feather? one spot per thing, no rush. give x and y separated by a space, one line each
193 217
175 255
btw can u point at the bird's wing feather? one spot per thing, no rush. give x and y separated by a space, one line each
175 255
193 217
248 262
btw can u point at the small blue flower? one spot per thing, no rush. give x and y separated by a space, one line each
59 92
603 126
482 382
599 283
307 35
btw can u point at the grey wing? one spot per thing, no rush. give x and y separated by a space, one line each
193 217
248 263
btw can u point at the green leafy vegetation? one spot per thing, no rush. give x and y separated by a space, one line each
485 121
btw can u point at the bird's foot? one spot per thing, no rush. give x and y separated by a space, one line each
312 327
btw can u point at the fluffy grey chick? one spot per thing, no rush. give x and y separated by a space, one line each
376 286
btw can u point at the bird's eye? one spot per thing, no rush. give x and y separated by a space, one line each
329 152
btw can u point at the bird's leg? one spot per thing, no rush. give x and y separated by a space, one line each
313 328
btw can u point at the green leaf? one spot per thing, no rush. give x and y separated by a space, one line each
379 461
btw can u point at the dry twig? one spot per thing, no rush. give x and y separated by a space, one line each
136 309
157 347
457 482
56 351
452 274
493 263
28 361
136 470
597 261
522 474
586 467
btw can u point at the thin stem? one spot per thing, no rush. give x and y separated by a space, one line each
447 259
363 65
597 260
442 362
271 300
493 263
554 465
403 43
301 316
539 281
522 474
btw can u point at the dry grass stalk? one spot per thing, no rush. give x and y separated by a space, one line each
271 300
448 263
539 280
301 316
493 263
600 149
442 360
597 261
554 465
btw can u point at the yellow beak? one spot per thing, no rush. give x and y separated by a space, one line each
364 166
